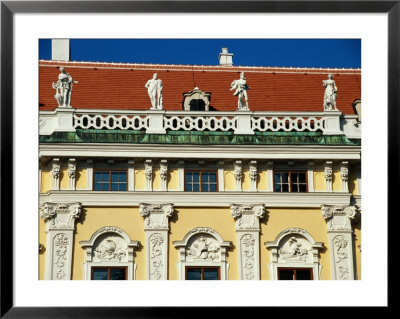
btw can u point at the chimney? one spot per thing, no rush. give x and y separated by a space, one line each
60 49
225 58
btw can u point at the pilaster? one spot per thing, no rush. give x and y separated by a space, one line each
55 173
248 238
72 173
328 175
60 225
164 174
238 173
344 174
253 175
148 171
341 241
156 227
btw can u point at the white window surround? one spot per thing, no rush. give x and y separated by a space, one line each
202 246
305 254
120 251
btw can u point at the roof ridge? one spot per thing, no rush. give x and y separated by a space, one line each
196 66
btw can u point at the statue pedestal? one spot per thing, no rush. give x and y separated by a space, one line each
243 124
332 123
64 120
156 122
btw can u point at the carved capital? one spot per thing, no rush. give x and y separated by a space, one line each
237 171
60 215
156 215
247 216
339 217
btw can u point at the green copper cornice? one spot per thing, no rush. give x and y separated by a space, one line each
197 138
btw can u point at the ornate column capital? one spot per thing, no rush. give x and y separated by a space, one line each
339 217
156 215
60 215
247 216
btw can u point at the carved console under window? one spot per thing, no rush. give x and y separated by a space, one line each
294 248
248 238
156 227
109 247
60 225
196 100
202 246
341 242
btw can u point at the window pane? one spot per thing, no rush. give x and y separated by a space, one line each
302 177
277 187
189 176
105 176
204 177
193 273
204 187
114 177
303 274
196 176
117 274
97 187
188 187
212 177
285 177
122 186
100 274
213 187
97 177
196 187
285 187
277 178
114 187
295 177
210 274
295 188
286 274
303 187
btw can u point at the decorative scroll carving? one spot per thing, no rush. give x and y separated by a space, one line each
340 233
60 215
156 215
247 216
61 244
156 256
247 243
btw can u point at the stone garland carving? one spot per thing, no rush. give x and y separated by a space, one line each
63 88
240 86
156 254
247 243
61 244
330 93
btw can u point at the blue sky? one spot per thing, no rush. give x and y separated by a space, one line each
318 53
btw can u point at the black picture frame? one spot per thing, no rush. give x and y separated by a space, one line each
9 8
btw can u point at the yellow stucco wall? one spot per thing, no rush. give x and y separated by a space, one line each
46 183
229 180
173 180
219 219
140 180
278 220
262 184
94 218
246 181
319 181
353 185
336 181
81 179
64 178
156 179
42 240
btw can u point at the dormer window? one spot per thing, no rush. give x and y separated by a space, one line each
196 100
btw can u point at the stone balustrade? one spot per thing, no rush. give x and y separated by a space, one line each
160 121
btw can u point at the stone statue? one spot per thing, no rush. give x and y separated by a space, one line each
240 86
330 93
154 88
63 88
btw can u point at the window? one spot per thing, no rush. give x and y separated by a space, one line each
108 273
290 181
202 273
295 274
110 180
200 181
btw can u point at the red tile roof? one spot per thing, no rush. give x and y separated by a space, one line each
121 86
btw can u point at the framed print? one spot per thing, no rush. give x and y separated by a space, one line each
153 174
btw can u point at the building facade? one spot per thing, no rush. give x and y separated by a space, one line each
180 172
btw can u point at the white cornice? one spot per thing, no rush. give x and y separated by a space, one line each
253 152
189 199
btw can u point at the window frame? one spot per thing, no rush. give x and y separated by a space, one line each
109 270
109 170
295 269
200 180
202 270
290 179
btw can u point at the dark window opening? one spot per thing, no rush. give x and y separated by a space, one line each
110 180
200 181
109 273
290 181
202 273
197 105
295 274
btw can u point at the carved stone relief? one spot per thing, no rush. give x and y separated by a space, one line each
156 256
61 245
157 215
203 247
110 247
249 260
